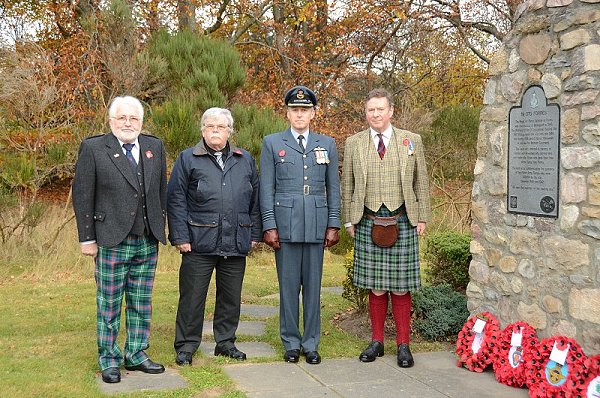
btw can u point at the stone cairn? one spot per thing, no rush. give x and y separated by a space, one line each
544 271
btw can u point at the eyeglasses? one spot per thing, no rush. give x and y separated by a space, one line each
220 127
131 119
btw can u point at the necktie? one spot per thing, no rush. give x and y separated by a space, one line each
300 139
219 156
128 148
380 146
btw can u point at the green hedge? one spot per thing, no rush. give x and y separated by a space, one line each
448 256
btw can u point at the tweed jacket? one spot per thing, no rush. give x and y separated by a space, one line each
106 189
299 193
413 175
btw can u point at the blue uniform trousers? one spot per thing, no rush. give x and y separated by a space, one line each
300 266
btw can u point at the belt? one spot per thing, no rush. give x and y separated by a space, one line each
401 212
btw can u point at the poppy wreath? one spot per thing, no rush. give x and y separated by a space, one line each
591 383
477 361
546 378
510 362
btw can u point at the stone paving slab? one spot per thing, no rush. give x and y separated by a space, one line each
259 311
434 375
252 349
140 381
248 328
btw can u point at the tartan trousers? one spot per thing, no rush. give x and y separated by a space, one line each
126 269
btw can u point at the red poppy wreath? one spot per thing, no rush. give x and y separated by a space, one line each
555 368
476 341
591 382
514 347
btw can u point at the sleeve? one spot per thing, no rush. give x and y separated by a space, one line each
163 179
333 189
267 185
256 233
421 182
347 180
177 208
84 193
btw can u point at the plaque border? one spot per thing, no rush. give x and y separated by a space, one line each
520 106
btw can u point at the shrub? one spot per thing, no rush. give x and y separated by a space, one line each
439 311
345 244
447 255
356 295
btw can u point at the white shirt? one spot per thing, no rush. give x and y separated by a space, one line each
135 151
387 136
296 135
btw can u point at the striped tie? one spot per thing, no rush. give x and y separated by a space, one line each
128 148
380 146
219 156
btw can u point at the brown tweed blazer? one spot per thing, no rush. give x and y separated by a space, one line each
413 176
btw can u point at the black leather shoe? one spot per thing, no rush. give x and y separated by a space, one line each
313 357
147 367
111 375
373 350
232 352
183 357
292 356
405 358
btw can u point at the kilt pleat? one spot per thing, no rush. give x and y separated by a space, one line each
395 268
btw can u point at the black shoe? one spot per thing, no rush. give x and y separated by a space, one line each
373 350
312 357
183 357
292 356
147 367
405 358
232 352
111 375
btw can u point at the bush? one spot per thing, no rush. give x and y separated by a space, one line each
447 255
345 244
356 295
439 311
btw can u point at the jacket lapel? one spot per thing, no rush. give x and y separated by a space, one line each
150 160
290 141
115 153
399 136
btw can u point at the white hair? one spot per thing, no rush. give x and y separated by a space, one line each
214 112
126 100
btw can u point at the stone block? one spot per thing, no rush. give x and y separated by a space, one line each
552 304
558 3
564 328
479 272
498 63
568 217
507 264
591 133
584 304
591 57
591 211
565 254
516 284
582 156
573 188
527 268
590 228
579 98
590 111
570 126
534 49
574 38
533 315
524 242
552 85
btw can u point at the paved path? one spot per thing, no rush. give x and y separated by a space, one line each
434 375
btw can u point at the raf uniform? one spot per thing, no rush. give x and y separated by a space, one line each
300 202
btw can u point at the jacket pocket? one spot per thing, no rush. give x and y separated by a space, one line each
283 217
244 226
204 230
322 216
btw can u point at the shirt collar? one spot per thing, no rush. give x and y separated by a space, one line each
295 134
136 143
386 134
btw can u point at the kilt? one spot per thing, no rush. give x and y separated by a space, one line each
395 268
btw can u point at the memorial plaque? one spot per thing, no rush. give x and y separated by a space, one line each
534 155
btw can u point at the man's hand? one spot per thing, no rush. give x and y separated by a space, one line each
332 236
89 249
420 228
184 247
271 238
350 230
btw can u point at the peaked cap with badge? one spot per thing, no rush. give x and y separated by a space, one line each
300 96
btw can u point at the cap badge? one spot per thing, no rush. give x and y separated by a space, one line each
300 94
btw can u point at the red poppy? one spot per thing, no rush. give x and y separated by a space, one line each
474 358
405 142
591 382
509 361
282 153
546 378
149 154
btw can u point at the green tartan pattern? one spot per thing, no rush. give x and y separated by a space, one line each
124 270
395 269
